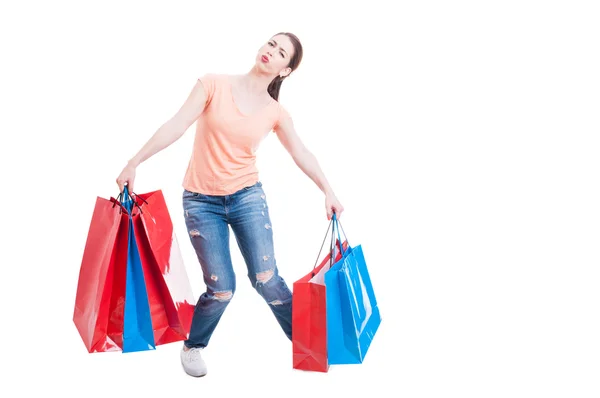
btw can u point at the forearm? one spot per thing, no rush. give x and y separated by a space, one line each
166 135
308 163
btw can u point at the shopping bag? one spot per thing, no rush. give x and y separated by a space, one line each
353 316
133 292
309 314
137 328
98 287
169 291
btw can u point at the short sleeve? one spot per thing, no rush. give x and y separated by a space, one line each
282 117
209 82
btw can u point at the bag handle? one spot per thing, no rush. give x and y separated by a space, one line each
127 201
338 226
331 246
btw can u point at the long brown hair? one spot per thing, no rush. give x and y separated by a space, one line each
275 85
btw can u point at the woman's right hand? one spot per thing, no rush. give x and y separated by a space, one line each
127 176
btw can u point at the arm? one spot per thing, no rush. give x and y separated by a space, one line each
308 163
174 128
167 134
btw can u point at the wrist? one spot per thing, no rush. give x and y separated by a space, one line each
133 163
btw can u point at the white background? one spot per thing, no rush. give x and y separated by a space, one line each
462 138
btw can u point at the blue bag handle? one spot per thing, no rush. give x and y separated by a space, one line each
127 202
337 226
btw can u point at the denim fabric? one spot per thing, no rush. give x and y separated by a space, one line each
208 220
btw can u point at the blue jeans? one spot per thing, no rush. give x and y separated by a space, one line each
208 219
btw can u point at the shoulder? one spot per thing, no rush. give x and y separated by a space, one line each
212 83
282 112
211 77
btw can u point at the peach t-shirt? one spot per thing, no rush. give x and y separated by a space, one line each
223 160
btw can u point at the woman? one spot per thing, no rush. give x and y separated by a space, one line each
222 188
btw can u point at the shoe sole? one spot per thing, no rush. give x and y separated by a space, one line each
191 374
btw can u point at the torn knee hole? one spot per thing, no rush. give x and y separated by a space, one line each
276 302
265 276
223 296
194 233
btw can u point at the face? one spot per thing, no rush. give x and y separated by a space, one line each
275 55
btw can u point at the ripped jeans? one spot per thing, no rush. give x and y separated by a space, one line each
208 219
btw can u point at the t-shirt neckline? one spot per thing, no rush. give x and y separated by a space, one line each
238 108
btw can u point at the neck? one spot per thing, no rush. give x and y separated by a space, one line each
256 81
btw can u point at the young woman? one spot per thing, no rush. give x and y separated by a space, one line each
221 185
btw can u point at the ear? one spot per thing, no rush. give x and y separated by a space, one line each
285 72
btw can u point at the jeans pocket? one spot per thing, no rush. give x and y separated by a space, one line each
188 194
255 186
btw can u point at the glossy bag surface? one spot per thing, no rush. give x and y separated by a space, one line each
169 290
95 301
353 316
137 327
133 291
309 318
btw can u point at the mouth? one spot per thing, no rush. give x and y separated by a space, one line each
264 59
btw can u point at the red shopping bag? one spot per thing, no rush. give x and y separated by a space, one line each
309 315
100 299
169 292
101 286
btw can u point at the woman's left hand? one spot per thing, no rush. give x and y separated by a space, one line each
332 204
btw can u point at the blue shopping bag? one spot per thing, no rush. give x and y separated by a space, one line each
353 316
137 325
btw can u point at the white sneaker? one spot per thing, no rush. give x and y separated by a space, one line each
192 362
